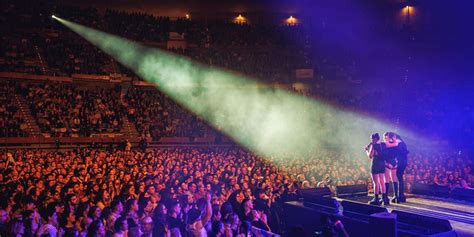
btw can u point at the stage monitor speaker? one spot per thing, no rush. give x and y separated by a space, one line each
419 225
352 190
383 224
320 192
430 190
360 210
423 221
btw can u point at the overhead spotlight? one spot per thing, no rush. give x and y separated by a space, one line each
53 16
270 121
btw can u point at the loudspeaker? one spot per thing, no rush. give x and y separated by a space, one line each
430 190
422 221
352 190
359 210
383 224
321 192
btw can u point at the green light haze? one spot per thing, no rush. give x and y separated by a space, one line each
268 121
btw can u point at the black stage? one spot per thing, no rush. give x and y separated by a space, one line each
459 213
439 212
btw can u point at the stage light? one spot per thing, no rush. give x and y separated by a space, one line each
53 16
240 19
269 121
291 20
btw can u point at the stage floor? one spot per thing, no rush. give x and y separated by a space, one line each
459 213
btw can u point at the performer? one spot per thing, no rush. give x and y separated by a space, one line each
389 147
401 155
374 152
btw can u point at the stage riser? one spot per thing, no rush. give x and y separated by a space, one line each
351 190
357 220
443 191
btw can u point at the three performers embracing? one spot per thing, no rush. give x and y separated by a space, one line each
389 160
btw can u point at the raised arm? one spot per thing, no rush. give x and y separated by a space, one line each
208 214
369 150
392 144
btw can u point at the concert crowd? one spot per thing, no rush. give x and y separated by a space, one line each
64 111
186 191
249 49
11 122
179 191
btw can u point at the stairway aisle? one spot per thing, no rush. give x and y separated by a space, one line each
33 128
128 128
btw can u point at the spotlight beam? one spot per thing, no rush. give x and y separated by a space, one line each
268 121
